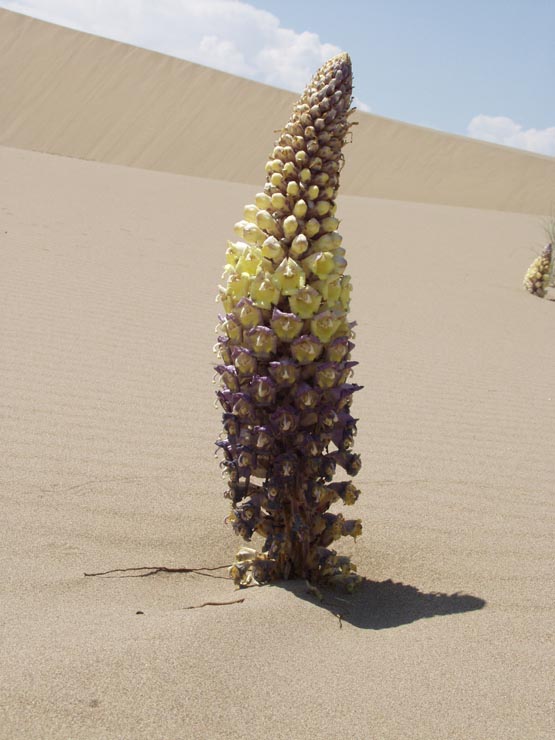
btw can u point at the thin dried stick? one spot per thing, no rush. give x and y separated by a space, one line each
214 603
154 569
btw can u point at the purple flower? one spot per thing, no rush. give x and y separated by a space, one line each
246 462
231 425
327 375
232 327
349 461
262 341
224 349
244 361
262 390
346 372
308 445
285 467
285 420
263 438
338 349
306 397
228 375
243 407
247 313
306 348
286 326
284 372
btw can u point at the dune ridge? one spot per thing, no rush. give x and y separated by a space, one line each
71 93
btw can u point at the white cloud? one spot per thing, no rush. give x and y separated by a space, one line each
361 105
503 130
230 35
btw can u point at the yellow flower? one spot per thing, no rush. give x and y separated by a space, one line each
238 285
330 288
248 314
324 325
289 277
263 291
306 349
320 263
250 260
306 302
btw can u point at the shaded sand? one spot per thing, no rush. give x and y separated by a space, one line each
71 93
107 322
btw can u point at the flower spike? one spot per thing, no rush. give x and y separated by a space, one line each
284 352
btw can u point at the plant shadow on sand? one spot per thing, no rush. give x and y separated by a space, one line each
378 605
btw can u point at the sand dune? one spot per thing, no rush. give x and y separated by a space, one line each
70 93
107 436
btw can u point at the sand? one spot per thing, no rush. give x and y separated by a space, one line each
75 94
107 318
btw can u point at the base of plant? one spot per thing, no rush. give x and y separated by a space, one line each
324 568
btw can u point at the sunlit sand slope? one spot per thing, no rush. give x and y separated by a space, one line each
106 318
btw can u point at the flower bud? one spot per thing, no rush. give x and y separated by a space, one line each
311 227
293 188
313 192
299 245
278 201
272 249
253 235
290 226
262 201
266 223
322 207
249 213
299 209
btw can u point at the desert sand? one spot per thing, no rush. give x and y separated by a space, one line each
107 315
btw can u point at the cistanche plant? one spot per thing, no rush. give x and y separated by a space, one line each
284 350
539 273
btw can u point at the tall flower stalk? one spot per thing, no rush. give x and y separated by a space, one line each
285 352
538 275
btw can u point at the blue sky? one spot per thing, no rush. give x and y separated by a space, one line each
480 68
